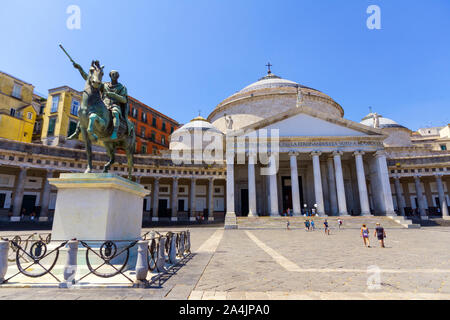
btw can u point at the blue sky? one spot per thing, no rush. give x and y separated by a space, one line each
184 56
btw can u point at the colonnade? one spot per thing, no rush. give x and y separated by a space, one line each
336 192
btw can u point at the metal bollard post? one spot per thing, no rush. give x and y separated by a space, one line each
188 242
173 250
4 247
161 260
70 268
142 264
182 237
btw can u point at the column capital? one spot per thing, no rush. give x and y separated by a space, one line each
417 176
380 153
211 179
396 177
359 153
294 153
438 175
316 153
157 179
338 153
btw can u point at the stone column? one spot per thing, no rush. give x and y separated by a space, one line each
442 198
340 188
399 194
294 184
46 197
420 198
385 185
230 218
318 193
155 195
211 198
18 194
192 195
273 186
362 185
332 187
174 198
251 186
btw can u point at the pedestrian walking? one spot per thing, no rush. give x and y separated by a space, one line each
340 222
365 235
288 224
326 227
313 225
306 225
380 234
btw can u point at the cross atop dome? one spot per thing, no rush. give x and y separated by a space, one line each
268 65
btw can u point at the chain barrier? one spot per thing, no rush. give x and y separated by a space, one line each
161 251
37 253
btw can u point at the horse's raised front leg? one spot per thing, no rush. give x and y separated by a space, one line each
92 118
88 149
111 152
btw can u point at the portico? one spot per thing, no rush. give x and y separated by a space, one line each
327 173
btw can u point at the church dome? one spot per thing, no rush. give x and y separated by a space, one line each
268 82
396 134
268 97
198 123
184 137
369 120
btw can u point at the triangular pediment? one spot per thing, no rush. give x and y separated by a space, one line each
305 121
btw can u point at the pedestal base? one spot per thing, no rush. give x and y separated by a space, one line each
43 219
14 219
97 207
231 221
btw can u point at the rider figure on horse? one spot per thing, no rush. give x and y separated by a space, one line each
115 97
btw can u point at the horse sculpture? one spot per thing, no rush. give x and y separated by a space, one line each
96 121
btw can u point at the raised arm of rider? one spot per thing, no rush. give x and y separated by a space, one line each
83 74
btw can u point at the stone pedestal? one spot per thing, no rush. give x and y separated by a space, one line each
97 207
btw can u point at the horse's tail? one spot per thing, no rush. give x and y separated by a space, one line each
132 136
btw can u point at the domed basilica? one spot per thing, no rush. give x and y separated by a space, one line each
326 163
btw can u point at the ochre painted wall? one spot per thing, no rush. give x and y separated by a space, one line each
19 127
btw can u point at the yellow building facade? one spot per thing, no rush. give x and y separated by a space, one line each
60 118
17 114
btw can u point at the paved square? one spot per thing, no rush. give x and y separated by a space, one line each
280 264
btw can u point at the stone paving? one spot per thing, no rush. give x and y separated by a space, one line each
258 263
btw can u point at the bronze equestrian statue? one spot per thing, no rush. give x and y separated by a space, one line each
103 115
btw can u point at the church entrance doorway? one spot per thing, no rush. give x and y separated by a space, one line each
244 203
286 191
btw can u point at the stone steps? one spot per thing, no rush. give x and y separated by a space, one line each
407 223
298 222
